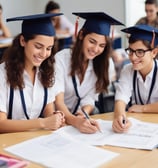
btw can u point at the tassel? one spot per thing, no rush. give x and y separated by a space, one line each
76 26
153 40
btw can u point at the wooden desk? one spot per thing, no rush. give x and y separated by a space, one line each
128 158
5 45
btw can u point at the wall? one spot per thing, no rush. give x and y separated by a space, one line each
13 8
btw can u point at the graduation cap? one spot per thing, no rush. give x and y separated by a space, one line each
143 32
37 24
97 22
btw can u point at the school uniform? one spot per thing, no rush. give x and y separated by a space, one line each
64 83
124 88
33 95
131 83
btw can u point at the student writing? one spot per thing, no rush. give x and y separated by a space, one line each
137 86
82 73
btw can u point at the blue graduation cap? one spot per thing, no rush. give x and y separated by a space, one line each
97 22
143 32
37 24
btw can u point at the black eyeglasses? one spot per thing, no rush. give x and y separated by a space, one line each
139 52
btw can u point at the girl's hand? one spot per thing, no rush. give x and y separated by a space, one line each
54 121
121 124
136 108
87 126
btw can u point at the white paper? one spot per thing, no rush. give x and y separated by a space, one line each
57 151
6 40
141 135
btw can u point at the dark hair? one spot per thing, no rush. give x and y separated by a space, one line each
145 42
14 65
100 63
1 7
151 2
51 5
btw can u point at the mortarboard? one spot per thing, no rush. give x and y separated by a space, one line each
97 22
37 24
143 32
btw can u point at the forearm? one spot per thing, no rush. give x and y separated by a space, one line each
88 108
19 125
119 108
5 30
150 108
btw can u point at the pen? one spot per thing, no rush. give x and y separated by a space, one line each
85 113
124 121
87 117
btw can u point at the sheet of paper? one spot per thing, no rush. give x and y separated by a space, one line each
98 138
58 151
141 135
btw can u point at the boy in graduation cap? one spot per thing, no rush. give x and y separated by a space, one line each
137 86
82 72
27 78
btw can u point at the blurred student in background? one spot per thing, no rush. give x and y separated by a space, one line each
151 18
4 31
64 28
5 34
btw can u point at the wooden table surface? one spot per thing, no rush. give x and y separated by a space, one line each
128 158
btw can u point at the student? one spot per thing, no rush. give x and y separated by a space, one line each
65 30
82 73
151 18
27 78
137 85
4 31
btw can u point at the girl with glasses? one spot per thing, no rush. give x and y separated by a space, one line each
137 89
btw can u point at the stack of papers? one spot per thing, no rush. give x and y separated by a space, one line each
141 135
67 147
58 151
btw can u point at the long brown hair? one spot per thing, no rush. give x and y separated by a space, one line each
14 59
100 63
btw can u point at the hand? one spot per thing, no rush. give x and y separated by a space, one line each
80 114
136 108
95 123
119 126
62 115
86 125
53 122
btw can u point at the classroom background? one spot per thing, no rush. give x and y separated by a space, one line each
127 11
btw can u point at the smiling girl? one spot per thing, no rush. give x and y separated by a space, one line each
82 73
27 78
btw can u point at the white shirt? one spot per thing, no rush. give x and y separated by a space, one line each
33 94
64 83
124 88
